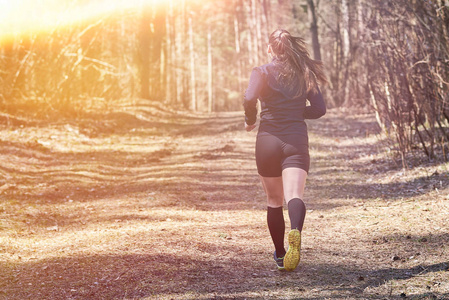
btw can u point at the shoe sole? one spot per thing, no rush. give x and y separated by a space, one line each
291 259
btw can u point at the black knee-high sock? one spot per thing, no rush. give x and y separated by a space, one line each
297 213
276 225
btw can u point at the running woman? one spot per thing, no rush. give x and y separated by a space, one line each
282 153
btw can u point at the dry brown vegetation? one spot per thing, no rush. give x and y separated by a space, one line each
146 203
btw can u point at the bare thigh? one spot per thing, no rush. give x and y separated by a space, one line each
274 190
294 182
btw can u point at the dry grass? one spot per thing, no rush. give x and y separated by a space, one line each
151 204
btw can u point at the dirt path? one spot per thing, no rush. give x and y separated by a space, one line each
149 204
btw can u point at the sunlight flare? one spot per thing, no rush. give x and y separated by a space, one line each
31 16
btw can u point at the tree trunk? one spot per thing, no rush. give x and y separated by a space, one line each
314 30
193 104
168 55
266 11
210 105
145 41
238 49
157 64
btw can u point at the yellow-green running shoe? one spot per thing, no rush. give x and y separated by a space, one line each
291 259
279 261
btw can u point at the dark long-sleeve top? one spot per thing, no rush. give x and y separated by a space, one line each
282 112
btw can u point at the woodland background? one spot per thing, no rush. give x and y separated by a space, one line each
126 172
390 57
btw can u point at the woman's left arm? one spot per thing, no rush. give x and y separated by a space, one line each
317 106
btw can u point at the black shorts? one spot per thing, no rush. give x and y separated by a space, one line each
275 153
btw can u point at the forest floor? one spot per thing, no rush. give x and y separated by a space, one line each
145 203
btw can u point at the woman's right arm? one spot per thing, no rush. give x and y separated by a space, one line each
251 95
317 106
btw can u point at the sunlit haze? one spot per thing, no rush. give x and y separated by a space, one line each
25 16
